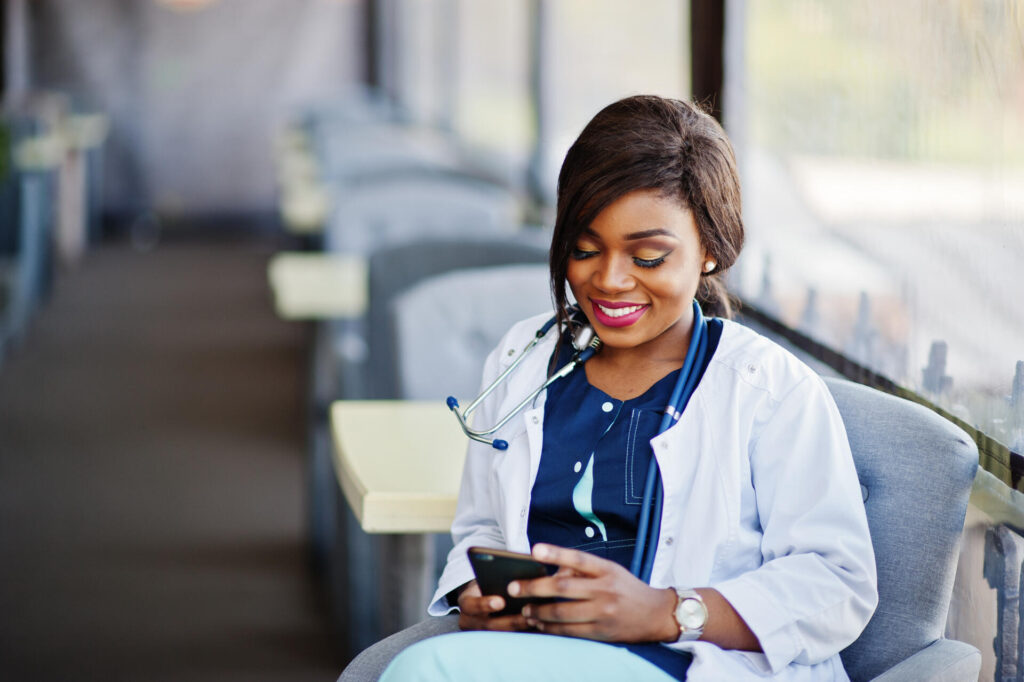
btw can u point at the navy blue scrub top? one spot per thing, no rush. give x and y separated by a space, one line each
593 465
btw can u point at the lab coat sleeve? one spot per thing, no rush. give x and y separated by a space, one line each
816 590
475 522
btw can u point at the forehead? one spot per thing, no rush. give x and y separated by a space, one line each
644 214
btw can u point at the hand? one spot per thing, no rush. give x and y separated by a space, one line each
475 612
609 603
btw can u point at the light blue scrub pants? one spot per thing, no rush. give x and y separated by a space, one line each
516 656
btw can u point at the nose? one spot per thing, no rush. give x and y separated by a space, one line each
613 276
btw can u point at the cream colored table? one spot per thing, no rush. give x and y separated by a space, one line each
398 464
318 286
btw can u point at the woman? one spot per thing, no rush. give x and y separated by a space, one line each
763 564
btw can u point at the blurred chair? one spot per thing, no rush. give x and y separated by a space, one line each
443 329
385 212
27 199
336 536
345 153
357 105
396 269
916 471
381 210
445 326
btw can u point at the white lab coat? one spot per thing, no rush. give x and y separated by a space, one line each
761 502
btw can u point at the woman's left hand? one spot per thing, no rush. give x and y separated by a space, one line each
608 602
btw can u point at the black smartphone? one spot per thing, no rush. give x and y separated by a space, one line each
496 568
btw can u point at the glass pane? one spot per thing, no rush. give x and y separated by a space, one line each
883 161
602 50
493 81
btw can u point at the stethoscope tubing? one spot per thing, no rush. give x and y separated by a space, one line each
480 435
649 526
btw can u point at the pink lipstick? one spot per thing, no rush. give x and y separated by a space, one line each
617 314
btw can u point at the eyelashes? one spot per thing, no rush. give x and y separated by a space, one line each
580 254
649 262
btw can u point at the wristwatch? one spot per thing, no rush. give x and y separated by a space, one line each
691 615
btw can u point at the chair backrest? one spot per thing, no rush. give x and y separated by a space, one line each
395 268
393 210
345 152
916 469
446 325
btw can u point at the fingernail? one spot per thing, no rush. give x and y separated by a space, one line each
532 622
527 612
495 603
540 551
513 589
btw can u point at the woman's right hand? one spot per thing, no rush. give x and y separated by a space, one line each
475 612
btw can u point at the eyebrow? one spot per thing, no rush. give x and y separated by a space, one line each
642 234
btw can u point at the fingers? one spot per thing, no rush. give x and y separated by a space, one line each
579 630
565 586
561 612
513 623
476 612
581 562
480 606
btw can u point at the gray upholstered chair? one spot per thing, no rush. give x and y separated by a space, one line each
396 208
445 326
397 269
916 470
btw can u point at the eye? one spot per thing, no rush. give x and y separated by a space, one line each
649 262
582 254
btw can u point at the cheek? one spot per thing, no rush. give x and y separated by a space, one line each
681 285
574 275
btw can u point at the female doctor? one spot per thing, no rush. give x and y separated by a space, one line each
763 564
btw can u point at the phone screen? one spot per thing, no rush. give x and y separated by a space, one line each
496 568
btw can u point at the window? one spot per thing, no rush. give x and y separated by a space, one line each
882 153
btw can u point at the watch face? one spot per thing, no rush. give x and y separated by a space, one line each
691 614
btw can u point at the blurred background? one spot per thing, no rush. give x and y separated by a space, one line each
168 505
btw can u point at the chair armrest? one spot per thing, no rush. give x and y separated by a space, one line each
944 660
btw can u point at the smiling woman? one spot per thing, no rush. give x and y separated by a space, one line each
760 562
635 287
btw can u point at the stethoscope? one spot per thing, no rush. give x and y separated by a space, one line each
586 344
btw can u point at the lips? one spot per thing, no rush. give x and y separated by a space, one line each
618 314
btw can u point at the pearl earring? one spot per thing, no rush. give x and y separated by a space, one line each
709 266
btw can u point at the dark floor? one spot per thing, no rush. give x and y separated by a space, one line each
151 477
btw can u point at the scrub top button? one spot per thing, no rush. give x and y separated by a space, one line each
589 532
577 467
607 407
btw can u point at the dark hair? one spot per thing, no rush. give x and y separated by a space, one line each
652 143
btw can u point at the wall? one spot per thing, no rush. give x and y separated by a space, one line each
195 95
